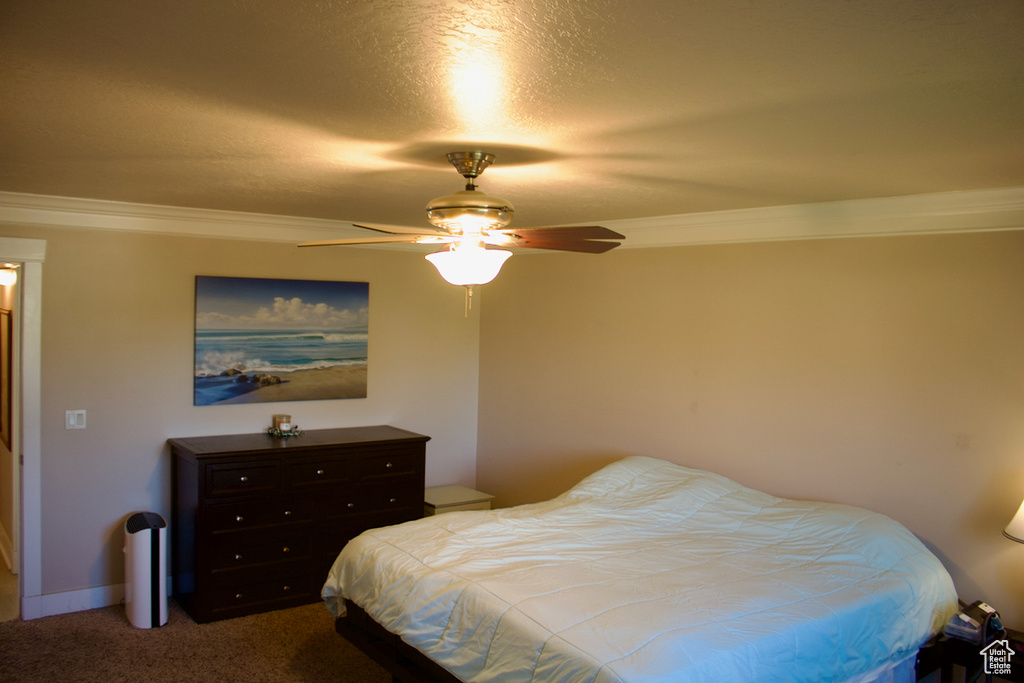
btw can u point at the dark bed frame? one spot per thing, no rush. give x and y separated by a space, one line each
406 664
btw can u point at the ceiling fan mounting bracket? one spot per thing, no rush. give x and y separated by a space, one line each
470 164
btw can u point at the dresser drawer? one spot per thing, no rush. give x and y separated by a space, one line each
228 517
397 463
278 592
318 472
405 493
232 479
285 572
392 498
243 550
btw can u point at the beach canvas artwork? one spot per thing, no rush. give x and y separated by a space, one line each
261 340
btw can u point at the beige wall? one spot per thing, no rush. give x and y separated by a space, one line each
118 342
882 372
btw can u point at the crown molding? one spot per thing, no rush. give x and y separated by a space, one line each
98 214
944 212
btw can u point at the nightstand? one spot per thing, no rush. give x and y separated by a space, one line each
440 499
942 653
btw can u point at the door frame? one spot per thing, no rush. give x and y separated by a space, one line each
26 431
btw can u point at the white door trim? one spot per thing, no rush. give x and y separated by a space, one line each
30 254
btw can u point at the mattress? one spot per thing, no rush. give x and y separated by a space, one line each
651 571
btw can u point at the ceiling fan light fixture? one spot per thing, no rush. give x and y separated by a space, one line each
469 265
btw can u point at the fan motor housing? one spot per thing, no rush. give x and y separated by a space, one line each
470 206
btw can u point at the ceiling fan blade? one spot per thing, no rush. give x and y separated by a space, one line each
579 232
583 246
400 229
589 239
391 239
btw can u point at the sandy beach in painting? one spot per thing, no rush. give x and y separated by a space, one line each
309 385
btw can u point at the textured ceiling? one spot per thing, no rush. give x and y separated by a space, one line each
596 110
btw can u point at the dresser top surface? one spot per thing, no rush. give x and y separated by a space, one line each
342 436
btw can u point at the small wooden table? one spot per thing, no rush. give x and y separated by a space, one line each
942 653
439 499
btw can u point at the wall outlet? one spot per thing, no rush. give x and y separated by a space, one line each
74 419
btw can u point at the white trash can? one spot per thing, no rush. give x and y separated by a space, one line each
145 569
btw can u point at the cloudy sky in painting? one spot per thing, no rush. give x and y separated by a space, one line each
255 303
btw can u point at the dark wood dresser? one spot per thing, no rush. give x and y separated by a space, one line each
258 520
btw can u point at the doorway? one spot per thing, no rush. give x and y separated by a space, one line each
10 469
24 425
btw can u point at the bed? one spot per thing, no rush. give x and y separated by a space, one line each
649 571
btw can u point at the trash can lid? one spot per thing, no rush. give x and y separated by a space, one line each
144 520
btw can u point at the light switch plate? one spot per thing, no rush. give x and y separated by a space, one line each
74 419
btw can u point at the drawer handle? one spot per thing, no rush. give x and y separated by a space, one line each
319 471
287 588
351 505
286 549
238 556
389 465
243 479
394 500
238 596
287 513
238 518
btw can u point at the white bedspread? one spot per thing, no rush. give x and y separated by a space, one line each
649 571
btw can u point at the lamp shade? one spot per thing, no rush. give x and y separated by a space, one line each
467 265
8 276
1015 529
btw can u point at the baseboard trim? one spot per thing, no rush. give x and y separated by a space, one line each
71 601
36 607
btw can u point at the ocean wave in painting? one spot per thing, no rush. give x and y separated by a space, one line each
222 355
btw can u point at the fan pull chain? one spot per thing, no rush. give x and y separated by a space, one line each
469 299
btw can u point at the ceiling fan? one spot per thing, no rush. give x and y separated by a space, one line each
469 221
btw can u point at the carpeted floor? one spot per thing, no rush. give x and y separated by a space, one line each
296 645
